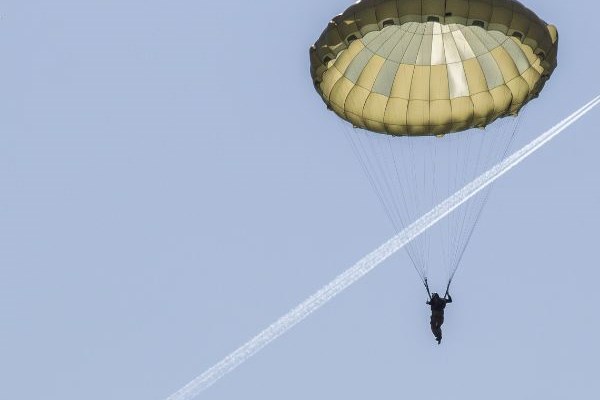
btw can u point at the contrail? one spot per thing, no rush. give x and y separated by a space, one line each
372 260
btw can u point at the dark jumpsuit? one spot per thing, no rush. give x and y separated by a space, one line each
438 304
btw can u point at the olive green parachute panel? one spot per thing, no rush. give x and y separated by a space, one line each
366 19
521 20
355 22
333 42
501 17
412 67
387 13
433 8
480 10
456 12
409 11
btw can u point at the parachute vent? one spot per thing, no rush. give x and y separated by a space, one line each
541 54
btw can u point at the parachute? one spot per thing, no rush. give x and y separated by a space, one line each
435 89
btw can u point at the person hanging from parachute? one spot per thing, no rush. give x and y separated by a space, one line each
438 305
433 90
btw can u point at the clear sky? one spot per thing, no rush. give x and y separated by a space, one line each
170 184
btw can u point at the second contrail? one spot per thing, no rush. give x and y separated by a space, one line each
372 260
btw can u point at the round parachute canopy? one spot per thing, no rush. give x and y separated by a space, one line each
431 67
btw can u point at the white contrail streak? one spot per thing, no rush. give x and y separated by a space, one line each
369 262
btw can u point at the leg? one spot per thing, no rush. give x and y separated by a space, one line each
436 327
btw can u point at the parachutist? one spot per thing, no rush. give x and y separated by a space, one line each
432 68
438 304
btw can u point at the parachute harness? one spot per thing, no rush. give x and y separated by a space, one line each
429 291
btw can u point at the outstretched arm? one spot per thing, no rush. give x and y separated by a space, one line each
449 300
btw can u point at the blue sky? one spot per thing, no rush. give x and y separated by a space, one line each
171 184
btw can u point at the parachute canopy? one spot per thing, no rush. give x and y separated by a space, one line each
431 67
